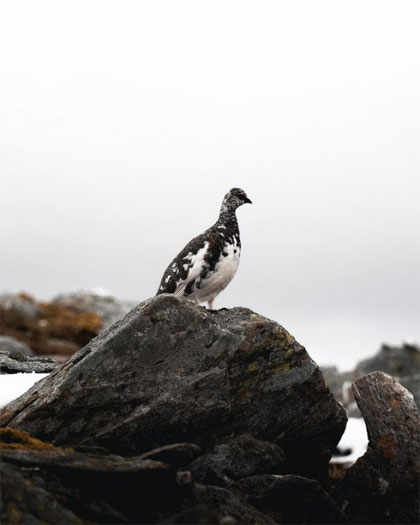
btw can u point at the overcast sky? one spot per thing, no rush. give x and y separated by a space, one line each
123 124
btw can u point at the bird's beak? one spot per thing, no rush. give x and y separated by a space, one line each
248 200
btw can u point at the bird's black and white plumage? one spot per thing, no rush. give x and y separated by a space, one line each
208 262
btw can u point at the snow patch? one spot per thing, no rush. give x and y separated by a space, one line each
14 385
355 439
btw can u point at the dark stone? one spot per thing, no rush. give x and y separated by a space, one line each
221 506
243 456
383 485
290 499
26 364
68 487
24 500
172 371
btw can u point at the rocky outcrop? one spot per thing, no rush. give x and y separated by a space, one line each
383 485
401 362
172 371
177 414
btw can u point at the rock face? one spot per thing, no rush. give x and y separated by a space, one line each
383 485
171 371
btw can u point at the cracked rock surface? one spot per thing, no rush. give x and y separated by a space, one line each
172 371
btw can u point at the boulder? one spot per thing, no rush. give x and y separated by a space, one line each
383 485
172 371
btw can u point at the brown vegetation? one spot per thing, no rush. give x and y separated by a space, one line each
54 329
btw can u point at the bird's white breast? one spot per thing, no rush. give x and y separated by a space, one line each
223 273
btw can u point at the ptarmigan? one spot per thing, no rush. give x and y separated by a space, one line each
208 262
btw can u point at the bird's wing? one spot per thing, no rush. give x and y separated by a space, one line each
185 268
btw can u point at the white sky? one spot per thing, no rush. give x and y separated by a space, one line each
123 124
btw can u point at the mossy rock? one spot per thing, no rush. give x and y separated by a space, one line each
12 439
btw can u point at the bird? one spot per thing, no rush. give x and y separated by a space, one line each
207 264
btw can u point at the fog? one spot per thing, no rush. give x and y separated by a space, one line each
123 124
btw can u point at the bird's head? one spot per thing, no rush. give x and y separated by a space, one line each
233 199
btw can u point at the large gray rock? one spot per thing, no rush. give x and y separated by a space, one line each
383 485
171 371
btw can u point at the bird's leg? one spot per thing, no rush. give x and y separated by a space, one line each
210 303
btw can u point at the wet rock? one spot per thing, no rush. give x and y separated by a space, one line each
26 364
383 485
107 307
171 371
290 499
241 457
13 347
